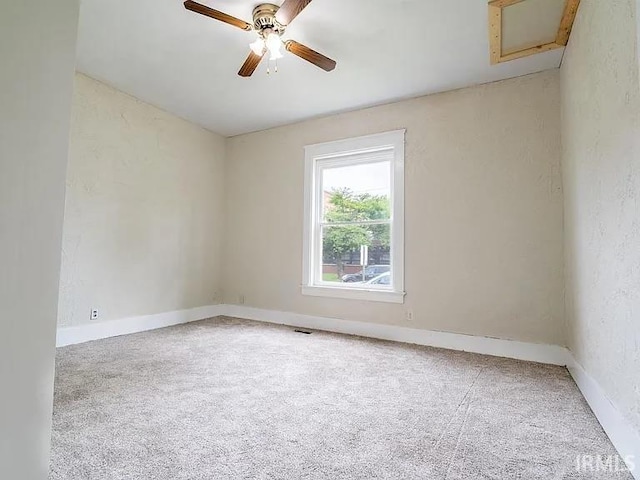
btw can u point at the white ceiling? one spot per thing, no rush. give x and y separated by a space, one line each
386 50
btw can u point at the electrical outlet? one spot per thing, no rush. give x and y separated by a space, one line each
94 314
241 299
409 315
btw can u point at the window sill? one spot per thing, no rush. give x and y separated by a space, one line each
354 294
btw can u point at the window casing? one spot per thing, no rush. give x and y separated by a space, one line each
378 218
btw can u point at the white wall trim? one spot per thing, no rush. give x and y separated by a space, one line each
124 326
622 435
534 352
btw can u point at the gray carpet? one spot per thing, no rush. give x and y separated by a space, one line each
228 398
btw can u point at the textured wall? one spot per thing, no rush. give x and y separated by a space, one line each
37 51
601 172
483 212
144 210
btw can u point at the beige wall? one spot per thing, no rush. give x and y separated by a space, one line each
483 212
601 172
37 54
144 210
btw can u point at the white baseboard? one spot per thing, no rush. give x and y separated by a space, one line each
622 435
114 328
534 352
551 354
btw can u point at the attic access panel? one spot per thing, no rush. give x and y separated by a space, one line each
519 28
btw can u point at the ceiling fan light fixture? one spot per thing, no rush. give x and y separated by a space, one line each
276 55
274 43
258 47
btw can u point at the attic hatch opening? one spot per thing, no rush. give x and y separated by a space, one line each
519 28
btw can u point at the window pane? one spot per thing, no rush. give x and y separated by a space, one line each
356 192
342 249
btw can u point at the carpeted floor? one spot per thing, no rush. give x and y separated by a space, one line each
234 399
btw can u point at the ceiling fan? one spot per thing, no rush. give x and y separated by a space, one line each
269 22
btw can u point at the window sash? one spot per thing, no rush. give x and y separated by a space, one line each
357 222
318 261
348 160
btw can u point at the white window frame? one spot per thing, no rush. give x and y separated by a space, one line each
387 146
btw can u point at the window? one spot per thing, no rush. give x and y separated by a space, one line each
354 218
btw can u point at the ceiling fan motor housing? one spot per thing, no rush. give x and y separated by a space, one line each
264 20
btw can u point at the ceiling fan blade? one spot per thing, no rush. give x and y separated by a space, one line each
290 10
210 12
309 55
250 64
